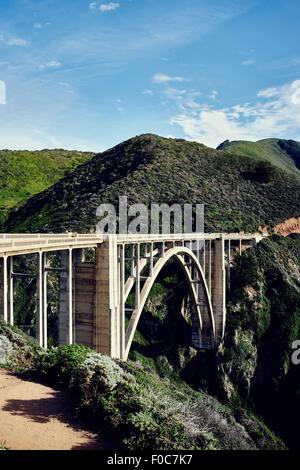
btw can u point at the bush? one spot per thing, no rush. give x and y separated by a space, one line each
18 351
61 363
143 410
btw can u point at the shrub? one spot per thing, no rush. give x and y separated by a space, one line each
61 363
143 410
17 350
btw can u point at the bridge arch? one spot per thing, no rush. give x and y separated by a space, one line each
205 319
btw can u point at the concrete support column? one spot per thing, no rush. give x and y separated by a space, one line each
204 257
219 288
107 299
39 319
228 264
209 271
151 260
70 297
45 300
121 300
11 290
65 319
4 288
42 330
137 277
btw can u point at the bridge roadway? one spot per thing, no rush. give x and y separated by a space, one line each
17 244
93 297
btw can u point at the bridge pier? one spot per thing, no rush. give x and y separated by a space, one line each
7 289
42 324
4 287
107 322
66 304
218 287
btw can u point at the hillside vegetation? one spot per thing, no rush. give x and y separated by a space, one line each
285 154
253 368
139 408
252 371
263 322
239 193
25 173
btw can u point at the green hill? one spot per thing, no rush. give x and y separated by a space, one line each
238 192
283 153
253 369
24 173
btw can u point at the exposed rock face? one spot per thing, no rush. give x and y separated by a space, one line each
263 321
241 366
254 364
289 226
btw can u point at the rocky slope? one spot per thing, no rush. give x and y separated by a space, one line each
253 369
238 192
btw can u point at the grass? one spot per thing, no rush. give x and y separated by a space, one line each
25 173
3 446
270 150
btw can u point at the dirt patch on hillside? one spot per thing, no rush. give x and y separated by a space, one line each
37 417
289 226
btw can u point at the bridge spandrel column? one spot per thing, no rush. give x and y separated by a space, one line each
63 299
218 290
66 304
3 289
106 324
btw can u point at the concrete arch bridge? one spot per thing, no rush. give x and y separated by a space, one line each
94 307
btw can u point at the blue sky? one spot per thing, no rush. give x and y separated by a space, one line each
86 75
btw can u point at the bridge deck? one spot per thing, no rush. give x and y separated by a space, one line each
22 244
92 299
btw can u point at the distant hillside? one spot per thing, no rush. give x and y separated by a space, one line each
238 192
283 153
24 173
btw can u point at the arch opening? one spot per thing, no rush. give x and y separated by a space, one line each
203 320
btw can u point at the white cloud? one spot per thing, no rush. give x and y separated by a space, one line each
163 78
93 6
2 92
41 25
17 42
214 95
248 62
111 6
27 137
148 92
275 114
14 41
53 64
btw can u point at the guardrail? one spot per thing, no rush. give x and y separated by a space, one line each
18 244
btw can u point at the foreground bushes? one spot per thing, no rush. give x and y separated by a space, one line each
145 411
141 409
17 350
